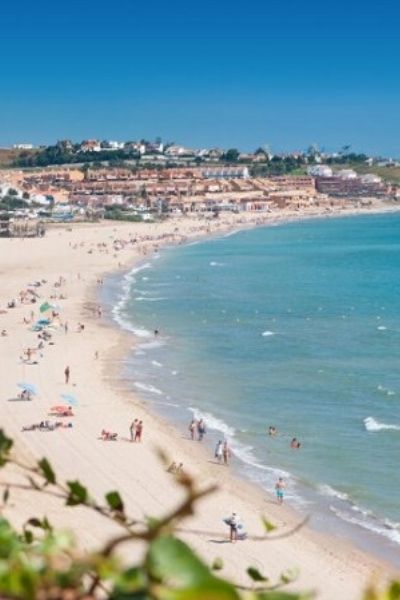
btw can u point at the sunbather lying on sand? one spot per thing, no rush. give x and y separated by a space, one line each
107 436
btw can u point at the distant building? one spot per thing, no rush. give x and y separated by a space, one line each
225 173
320 171
23 146
90 146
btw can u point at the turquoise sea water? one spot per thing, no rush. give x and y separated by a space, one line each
296 326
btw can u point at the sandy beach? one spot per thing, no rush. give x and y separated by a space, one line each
82 255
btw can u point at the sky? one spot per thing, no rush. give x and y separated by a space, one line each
212 73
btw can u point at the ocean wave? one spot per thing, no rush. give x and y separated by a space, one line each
382 328
151 345
144 299
147 387
241 451
371 524
123 322
385 390
214 263
213 422
155 363
372 424
327 490
268 333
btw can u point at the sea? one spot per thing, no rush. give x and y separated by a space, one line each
295 326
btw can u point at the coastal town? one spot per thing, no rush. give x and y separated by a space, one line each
173 180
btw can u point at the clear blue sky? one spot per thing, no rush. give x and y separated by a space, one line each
210 73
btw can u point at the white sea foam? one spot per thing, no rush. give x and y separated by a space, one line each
147 387
386 390
382 328
268 333
144 299
214 263
241 451
327 490
116 312
372 424
213 422
155 363
151 345
374 525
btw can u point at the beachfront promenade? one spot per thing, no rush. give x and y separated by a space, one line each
70 264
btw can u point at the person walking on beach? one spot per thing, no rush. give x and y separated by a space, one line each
139 431
226 453
201 430
132 430
279 489
233 527
218 452
192 428
67 373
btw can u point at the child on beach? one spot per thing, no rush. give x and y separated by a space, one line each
279 489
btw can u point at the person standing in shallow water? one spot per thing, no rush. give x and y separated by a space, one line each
201 429
192 428
226 453
219 452
67 373
279 489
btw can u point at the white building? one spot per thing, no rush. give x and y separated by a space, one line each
347 174
320 171
23 146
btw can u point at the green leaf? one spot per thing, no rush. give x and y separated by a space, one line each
213 589
28 536
47 471
268 526
77 493
114 501
255 574
217 564
5 447
171 560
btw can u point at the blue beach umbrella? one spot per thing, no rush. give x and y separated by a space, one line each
29 387
70 399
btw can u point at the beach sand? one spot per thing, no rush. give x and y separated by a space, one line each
328 565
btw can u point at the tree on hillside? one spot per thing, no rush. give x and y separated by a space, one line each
231 155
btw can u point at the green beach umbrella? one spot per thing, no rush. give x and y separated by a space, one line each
44 307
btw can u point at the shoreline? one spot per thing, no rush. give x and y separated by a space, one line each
325 562
366 540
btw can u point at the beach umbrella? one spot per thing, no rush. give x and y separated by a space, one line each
43 322
29 387
70 399
45 307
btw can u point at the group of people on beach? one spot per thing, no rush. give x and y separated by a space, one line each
294 443
136 430
197 427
